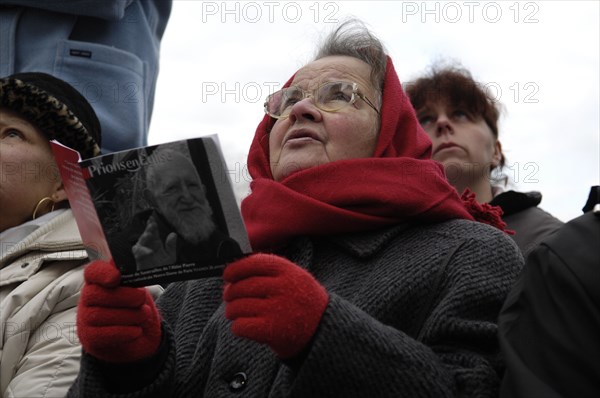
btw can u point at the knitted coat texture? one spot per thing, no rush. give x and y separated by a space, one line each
412 313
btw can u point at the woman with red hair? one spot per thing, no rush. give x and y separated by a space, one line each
369 275
461 120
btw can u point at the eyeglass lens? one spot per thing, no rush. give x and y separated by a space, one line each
328 97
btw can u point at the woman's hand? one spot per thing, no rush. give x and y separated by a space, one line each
116 323
273 301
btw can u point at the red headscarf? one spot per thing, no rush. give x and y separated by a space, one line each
398 184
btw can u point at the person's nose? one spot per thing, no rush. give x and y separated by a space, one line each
186 194
443 125
305 109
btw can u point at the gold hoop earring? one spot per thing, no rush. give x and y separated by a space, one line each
37 207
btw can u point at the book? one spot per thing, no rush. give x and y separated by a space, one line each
163 213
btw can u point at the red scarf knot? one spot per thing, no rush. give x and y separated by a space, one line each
484 212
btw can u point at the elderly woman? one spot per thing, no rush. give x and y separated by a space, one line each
462 123
369 277
41 254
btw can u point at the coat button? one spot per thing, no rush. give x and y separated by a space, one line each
24 265
238 381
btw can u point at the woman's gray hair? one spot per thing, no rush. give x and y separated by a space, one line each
352 38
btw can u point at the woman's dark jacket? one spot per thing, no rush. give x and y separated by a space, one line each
412 313
530 223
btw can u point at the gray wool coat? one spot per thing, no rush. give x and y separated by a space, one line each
412 313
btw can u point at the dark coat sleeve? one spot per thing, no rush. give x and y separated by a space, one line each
531 226
152 377
550 324
455 353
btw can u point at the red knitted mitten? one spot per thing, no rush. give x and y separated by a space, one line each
273 301
116 323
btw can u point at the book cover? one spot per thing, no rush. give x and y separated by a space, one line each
163 212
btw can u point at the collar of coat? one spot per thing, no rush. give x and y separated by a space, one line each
58 240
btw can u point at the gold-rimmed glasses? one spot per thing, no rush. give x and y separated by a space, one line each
329 97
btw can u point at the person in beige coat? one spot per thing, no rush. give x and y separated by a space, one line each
41 253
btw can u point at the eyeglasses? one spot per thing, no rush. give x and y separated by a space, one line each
329 97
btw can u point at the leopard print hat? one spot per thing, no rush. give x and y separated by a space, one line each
55 107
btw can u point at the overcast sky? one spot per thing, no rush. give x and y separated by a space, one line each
540 58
